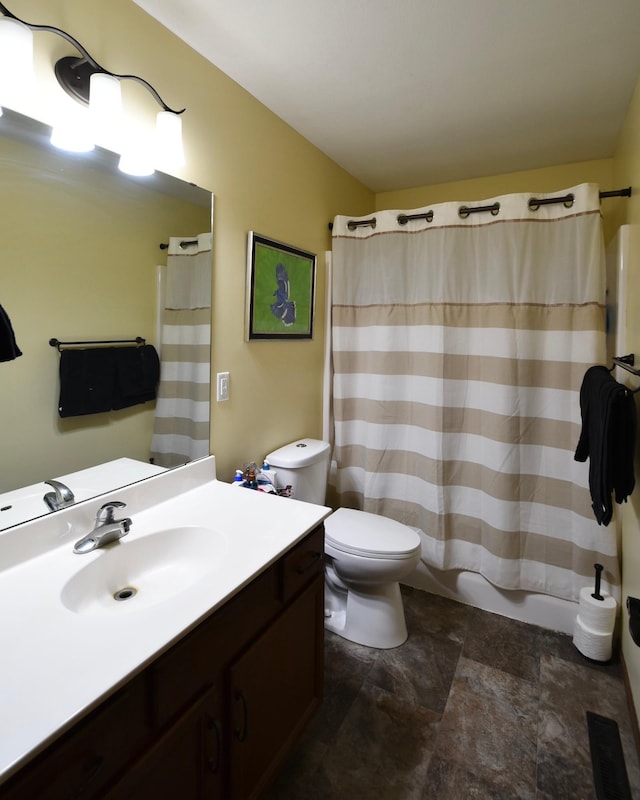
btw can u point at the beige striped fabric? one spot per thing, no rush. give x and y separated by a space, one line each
181 425
458 351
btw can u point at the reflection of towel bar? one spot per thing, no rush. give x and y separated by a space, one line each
57 343
183 244
627 362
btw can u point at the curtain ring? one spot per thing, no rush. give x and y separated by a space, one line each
402 219
353 224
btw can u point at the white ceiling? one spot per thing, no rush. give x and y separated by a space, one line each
406 93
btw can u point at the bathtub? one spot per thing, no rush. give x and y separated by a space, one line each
472 589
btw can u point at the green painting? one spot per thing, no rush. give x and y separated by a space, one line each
281 287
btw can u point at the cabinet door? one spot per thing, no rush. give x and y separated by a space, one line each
275 686
179 676
185 763
302 563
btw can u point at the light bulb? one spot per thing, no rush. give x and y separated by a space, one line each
137 154
105 108
168 143
72 130
16 62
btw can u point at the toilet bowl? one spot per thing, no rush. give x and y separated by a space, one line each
366 555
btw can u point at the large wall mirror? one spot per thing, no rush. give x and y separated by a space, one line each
79 251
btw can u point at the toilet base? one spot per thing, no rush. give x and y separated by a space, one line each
375 619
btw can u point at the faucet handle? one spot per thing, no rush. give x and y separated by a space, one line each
60 497
63 493
105 512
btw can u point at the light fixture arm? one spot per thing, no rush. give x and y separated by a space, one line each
73 73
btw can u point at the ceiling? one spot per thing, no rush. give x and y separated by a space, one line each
405 93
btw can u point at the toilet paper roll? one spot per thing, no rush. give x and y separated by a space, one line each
596 645
597 615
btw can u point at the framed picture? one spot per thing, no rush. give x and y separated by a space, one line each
280 290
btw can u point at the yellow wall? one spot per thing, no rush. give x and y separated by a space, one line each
265 178
626 167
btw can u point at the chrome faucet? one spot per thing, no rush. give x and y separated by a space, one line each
107 529
60 497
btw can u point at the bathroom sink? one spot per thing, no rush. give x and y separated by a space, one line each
133 574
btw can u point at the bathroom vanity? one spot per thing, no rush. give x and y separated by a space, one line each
207 711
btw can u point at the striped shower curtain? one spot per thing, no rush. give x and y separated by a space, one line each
181 424
459 343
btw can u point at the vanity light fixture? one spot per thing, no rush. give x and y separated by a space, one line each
16 55
89 83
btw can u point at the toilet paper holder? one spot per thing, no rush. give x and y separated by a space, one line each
596 593
633 607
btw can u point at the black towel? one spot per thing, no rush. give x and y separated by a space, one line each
137 372
608 439
87 381
9 350
98 379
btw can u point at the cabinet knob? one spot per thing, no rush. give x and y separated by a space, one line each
214 733
241 730
311 561
90 771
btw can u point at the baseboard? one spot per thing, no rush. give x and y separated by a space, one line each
630 704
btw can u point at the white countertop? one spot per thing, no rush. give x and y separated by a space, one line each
58 663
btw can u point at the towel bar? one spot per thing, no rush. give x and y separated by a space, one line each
57 343
627 363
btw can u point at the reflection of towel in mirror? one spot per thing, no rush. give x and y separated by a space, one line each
87 378
8 347
137 372
98 379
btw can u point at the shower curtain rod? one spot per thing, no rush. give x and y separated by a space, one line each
494 208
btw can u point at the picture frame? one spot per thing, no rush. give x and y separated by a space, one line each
280 294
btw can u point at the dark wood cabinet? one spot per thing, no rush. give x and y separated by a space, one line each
83 762
216 715
185 762
275 687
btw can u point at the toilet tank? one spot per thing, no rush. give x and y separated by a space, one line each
303 465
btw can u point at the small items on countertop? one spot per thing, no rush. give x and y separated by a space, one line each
261 480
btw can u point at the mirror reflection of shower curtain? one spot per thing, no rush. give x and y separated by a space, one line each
181 425
459 345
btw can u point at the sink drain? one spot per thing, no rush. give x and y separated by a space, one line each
125 594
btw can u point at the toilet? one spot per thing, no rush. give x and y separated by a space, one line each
366 555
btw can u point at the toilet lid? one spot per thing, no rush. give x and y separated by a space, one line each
362 533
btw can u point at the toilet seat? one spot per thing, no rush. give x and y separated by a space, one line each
370 535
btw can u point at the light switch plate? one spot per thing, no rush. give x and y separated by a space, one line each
222 386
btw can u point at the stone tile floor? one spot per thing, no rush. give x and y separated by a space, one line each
473 705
